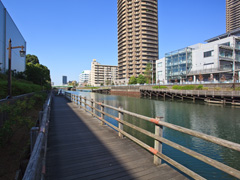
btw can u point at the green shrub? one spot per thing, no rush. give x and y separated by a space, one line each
177 87
237 89
18 115
18 88
205 88
199 87
159 87
217 88
188 87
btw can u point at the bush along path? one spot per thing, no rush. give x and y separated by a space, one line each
14 132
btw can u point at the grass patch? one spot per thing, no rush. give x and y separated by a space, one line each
19 87
14 134
159 87
188 87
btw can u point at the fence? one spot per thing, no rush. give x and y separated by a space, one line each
157 136
36 164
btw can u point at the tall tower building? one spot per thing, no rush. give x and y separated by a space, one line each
137 36
232 15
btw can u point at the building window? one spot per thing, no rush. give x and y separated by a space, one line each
226 44
159 64
208 54
160 73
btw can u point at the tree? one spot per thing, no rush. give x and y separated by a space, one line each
148 73
32 59
132 80
223 78
200 78
190 79
36 72
141 79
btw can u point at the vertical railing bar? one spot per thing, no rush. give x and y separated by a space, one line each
85 101
80 102
92 106
157 144
102 115
120 125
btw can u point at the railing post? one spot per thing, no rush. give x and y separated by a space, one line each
120 125
85 101
92 106
77 100
157 144
102 115
40 117
80 102
33 136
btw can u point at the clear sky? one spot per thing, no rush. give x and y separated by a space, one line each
67 34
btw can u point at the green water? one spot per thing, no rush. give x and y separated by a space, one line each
218 121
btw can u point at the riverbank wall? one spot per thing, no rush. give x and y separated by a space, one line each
133 91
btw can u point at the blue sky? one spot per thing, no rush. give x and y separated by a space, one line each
67 34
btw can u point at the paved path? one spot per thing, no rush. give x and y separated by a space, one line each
80 148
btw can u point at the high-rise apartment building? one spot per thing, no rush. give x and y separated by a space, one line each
232 15
137 36
64 80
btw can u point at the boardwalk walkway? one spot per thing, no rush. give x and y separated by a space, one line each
80 148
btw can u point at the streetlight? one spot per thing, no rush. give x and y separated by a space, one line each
22 54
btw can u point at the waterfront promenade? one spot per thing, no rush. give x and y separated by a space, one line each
80 148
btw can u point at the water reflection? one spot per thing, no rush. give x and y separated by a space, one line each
218 121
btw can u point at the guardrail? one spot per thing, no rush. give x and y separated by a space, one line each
196 92
157 136
36 164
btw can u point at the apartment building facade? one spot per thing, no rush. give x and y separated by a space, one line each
217 60
103 74
137 36
84 78
232 15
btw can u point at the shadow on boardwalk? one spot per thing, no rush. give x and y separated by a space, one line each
80 148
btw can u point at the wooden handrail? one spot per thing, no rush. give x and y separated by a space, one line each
215 140
35 164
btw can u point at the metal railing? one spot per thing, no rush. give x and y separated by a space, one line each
36 164
157 136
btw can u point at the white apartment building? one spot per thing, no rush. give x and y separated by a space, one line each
84 78
217 60
160 71
102 74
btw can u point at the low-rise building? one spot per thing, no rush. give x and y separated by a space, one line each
102 74
84 78
217 60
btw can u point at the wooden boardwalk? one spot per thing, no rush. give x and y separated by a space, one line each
80 148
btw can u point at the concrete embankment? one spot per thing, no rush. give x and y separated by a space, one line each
126 91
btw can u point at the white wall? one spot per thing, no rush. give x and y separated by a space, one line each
160 71
201 63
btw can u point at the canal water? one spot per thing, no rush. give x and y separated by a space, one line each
215 120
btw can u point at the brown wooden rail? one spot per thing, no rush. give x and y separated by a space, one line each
157 136
36 165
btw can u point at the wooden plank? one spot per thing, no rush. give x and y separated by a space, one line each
79 148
